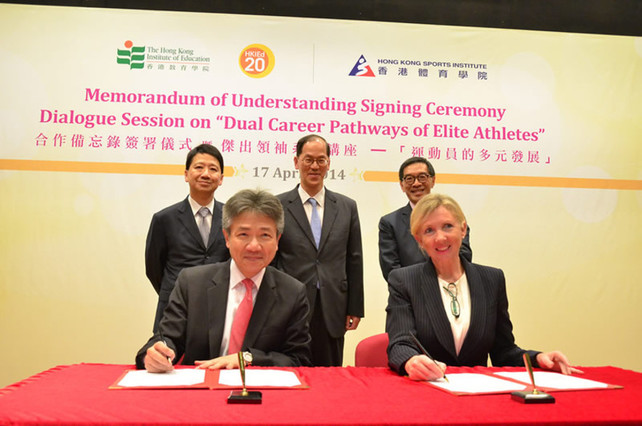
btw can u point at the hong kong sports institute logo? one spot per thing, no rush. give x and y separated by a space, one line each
134 56
361 68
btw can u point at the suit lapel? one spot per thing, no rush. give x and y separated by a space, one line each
330 211
295 207
186 218
216 305
217 219
405 216
478 313
405 223
265 300
432 300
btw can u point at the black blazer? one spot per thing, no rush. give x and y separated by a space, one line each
415 306
337 264
397 246
173 243
194 319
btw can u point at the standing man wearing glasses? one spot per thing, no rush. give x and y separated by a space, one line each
321 247
397 246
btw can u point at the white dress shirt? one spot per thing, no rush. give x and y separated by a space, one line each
319 197
235 295
459 326
196 207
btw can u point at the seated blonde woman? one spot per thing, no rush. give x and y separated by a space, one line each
458 310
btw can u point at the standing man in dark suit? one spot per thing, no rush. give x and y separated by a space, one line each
397 246
187 233
242 305
321 247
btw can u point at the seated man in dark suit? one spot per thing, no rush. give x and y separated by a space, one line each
397 246
216 311
189 232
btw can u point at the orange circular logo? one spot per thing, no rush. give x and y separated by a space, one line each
256 61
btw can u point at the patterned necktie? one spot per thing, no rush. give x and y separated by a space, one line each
241 319
203 227
315 222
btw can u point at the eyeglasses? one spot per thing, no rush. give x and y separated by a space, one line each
421 177
308 161
454 303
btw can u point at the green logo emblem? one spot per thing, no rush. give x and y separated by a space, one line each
134 56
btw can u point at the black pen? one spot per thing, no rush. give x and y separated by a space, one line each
426 353
162 339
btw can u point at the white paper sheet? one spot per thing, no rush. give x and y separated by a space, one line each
476 383
176 377
259 378
549 379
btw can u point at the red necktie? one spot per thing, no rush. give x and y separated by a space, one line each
241 319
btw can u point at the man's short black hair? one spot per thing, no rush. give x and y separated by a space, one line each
413 160
204 149
308 138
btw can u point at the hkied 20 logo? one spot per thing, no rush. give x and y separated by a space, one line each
256 61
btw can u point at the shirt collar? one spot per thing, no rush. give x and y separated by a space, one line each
196 207
236 276
319 196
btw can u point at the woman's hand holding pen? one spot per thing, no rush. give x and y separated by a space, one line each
420 367
425 367
159 358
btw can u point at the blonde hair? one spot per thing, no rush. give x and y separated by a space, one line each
428 204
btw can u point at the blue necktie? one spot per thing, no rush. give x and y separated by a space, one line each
315 222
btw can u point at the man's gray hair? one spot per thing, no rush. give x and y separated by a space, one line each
253 201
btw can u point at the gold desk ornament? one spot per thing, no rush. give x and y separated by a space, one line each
244 396
534 396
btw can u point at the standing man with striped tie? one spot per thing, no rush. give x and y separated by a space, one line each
321 247
187 233
242 305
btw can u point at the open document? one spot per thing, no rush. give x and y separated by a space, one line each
259 378
551 381
506 382
175 379
194 378
474 383
256 378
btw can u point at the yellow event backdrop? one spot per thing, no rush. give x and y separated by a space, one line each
536 134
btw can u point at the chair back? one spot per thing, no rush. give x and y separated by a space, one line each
372 351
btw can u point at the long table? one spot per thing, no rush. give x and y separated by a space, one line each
79 394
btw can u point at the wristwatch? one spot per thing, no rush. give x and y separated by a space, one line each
248 358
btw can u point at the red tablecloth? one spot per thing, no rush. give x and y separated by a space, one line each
79 394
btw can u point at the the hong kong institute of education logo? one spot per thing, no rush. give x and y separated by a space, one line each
361 68
134 56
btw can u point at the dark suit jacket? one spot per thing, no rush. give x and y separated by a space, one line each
397 246
338 263
173 243
194 319
415 306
